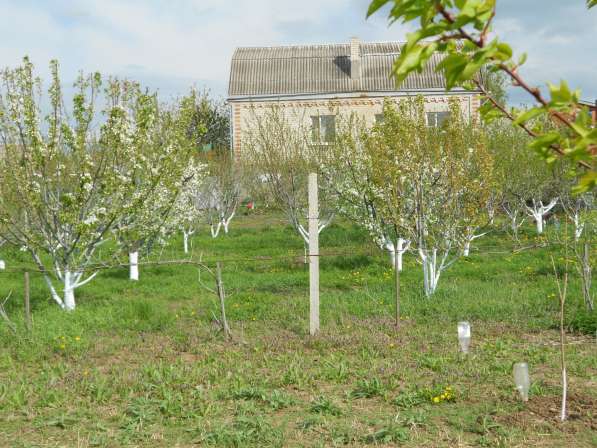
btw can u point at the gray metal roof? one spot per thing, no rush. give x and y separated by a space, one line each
322 69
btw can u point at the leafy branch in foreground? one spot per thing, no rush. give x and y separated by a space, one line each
461 29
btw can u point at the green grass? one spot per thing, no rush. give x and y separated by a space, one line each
143 364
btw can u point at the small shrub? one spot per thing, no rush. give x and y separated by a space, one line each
322 405
368 389
388 434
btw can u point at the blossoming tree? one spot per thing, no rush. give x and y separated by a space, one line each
189 207
407 180
222 191
159 138
366 179
283 156
65 187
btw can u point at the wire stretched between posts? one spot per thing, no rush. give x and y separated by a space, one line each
208 264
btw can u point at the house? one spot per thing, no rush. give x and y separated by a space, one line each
592 108
321 81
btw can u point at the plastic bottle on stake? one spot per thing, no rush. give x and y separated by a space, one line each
464 336
522 379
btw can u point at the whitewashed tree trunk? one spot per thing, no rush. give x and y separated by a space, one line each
397 250
469 237
226 221
134 265
215 230
539 223
185 241
538 212
2 265
69 290
579 226
431 272
467 248
433 267
70 281
304 233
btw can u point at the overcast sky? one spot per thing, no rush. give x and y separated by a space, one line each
171 45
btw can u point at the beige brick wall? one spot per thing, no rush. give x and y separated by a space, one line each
301 111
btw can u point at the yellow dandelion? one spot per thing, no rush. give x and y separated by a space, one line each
77 338
436 399
62 346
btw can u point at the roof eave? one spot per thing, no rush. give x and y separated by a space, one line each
357 94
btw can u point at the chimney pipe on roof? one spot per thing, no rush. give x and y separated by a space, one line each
355 62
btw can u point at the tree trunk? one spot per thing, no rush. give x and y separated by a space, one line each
430 271
539 222
578 226
2 265
226 222
69 291
514 225
586 277
185 241
467 248
397 269
397 251
222 297
215 230
134 265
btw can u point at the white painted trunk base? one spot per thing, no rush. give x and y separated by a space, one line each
397 250
467 248
2 265
579 226
69 291
185 242
538 212
134 265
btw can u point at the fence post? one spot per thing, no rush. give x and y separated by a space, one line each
27 303
313 256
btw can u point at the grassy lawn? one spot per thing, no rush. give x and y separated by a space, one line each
143 364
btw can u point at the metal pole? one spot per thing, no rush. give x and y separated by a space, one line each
313 256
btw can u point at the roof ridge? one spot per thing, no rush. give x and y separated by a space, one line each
346 44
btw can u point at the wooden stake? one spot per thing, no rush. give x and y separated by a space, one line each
313 256
27 303
397 284
222 297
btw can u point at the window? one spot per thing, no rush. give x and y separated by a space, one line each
437 119
323 128
378 118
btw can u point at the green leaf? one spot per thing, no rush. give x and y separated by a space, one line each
529 114
587 182
591 3
453 65
522 59
560 94
542 143
489 112
375 6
